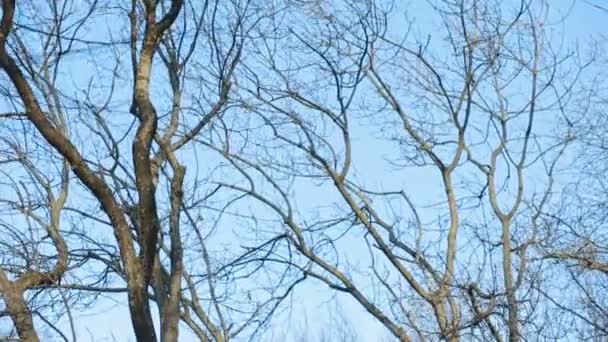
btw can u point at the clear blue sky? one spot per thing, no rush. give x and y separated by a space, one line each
314 305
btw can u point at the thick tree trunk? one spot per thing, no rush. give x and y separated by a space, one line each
17 309
22 317
509 283
141 317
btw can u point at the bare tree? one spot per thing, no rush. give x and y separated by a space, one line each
577 222
235 149
469 108
128 153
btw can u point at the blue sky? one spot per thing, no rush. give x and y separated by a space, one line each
313 306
